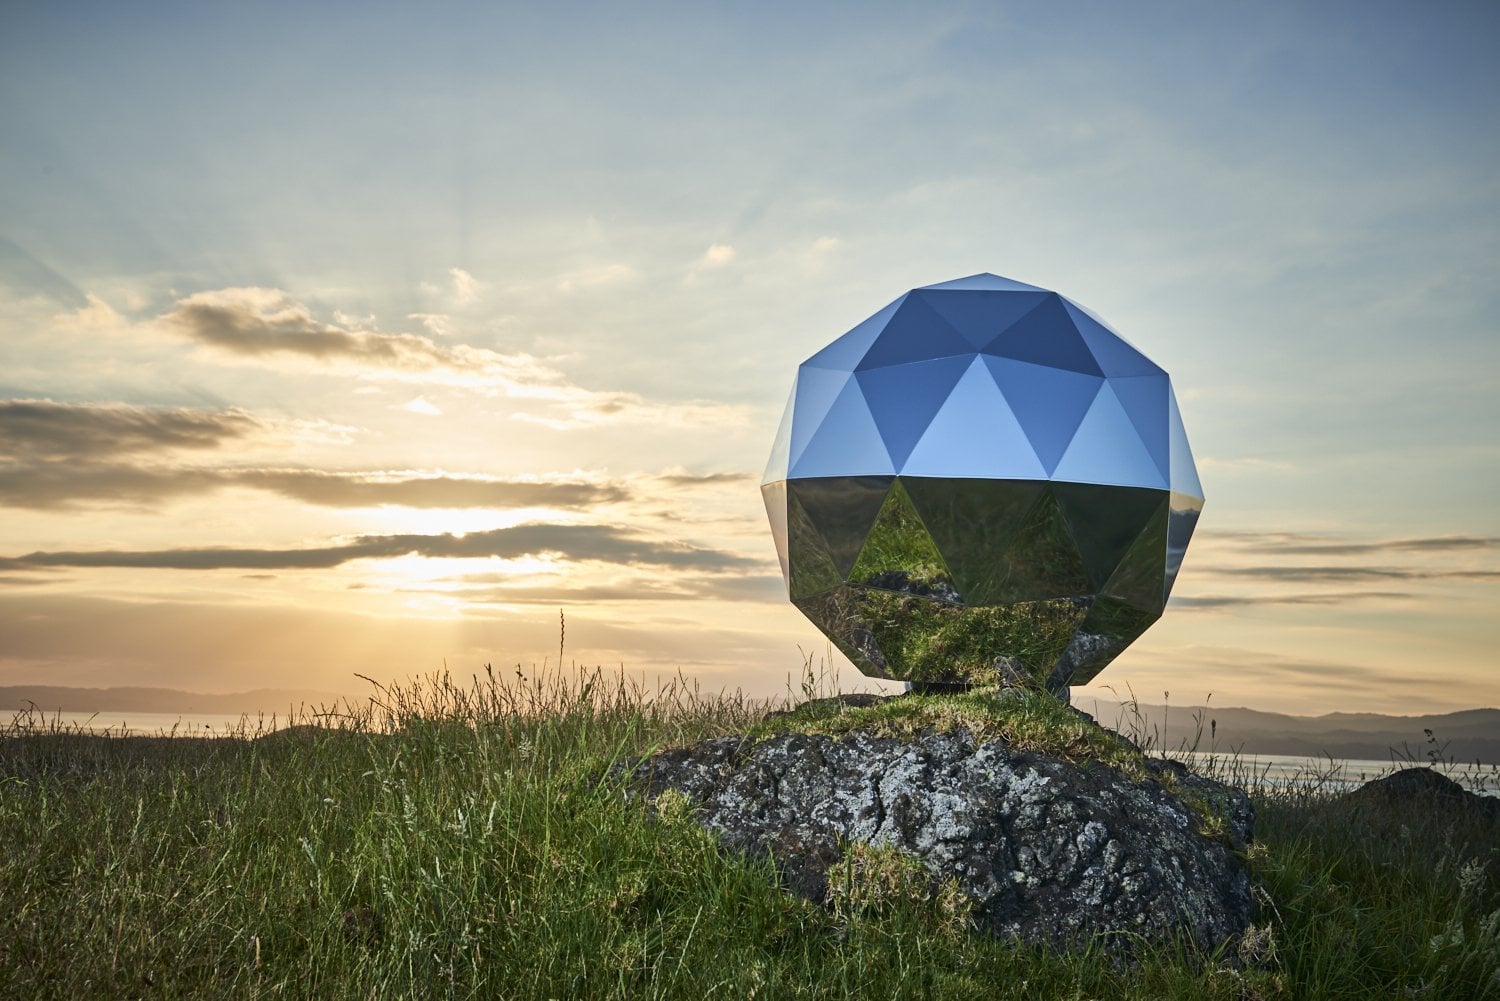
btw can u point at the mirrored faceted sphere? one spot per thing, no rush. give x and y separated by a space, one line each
981 484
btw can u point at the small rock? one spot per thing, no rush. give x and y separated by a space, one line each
1426 789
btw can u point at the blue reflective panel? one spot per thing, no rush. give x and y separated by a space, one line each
981 316
1113 352
845 353
1107 449
1049 403
846 442
813 394
774 496
1046 336
904 399
975 434
781 448
1144 398
985 282
914 333
1184 470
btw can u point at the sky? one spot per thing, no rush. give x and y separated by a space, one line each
376 339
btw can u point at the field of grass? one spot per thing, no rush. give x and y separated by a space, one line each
451 841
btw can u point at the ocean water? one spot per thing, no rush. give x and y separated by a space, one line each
134 724
1286 771
1263 770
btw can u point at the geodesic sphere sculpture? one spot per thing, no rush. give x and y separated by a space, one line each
981 484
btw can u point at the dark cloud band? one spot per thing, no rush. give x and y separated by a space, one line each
604 543
256 322
43 430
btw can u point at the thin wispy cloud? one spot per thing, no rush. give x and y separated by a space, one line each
267 327
595 276
264 323
466 288
430 491
1306 598
718 255
57 456
1288 544
45 430
581 543
1347 573
702 480
1292 673
52 486
494 590
1247 569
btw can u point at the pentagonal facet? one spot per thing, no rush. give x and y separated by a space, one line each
980 483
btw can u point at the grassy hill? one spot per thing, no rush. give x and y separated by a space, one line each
461 842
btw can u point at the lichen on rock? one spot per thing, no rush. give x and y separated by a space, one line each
1054 849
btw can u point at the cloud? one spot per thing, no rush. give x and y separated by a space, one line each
1303 564
96 315
1312 598
50 486
53 486
702 480
466 288
723 587
425 491
1348 573
600 543
1289 544
59 455
718 255
421 405
1265 671
259 322
42 430
437 324
267 327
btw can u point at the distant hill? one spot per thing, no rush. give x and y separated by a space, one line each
1466 736
57 698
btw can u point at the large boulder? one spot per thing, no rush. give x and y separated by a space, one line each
1048 851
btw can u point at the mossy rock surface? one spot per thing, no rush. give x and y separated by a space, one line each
1017 813
1025 719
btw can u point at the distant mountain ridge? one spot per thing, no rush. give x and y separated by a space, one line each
60 698
1464 736
1468 735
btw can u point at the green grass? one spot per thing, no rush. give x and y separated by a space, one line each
928 640
458 842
